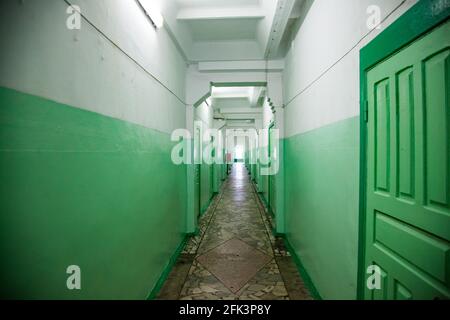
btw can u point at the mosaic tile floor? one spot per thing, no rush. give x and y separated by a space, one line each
235 255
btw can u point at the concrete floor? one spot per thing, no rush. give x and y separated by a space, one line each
235 256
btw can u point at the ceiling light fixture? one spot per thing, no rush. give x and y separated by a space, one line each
152 12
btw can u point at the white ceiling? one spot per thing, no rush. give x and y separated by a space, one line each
216 3
230 35
232 92
231 103
204 3
238 106
236 97
223 30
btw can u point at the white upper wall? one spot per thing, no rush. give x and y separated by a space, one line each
81 68
321 78
268 115
205 114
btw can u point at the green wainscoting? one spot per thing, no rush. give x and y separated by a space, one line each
206 187
79 188
265 188
321 205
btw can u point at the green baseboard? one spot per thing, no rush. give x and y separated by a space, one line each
165 274
301 269
174 258
193 234
266 204
264 201
277 234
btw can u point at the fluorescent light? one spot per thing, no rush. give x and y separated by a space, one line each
153 13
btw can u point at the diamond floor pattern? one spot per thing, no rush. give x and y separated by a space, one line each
234 263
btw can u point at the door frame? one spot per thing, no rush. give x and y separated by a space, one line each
413 24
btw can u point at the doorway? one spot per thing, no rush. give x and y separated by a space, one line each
405 131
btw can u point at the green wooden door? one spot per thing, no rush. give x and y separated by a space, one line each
408 171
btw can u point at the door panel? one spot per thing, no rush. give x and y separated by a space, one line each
408 177
435 75
405 135
382 137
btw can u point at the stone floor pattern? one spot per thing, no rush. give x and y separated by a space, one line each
235 255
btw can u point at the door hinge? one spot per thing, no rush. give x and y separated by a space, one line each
366 111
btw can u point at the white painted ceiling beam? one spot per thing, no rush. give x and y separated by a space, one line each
240 127
241 110
242 66
235 95
256 94
234 116
240 123
280 22
297 10
189 14
223 98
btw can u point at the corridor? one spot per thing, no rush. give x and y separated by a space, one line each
235 255
225 150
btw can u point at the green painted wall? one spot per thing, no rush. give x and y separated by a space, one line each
205 186
191 194
218 176
321 205
280 224
265 187
253 171
85 189
258 177
204 121
263 181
